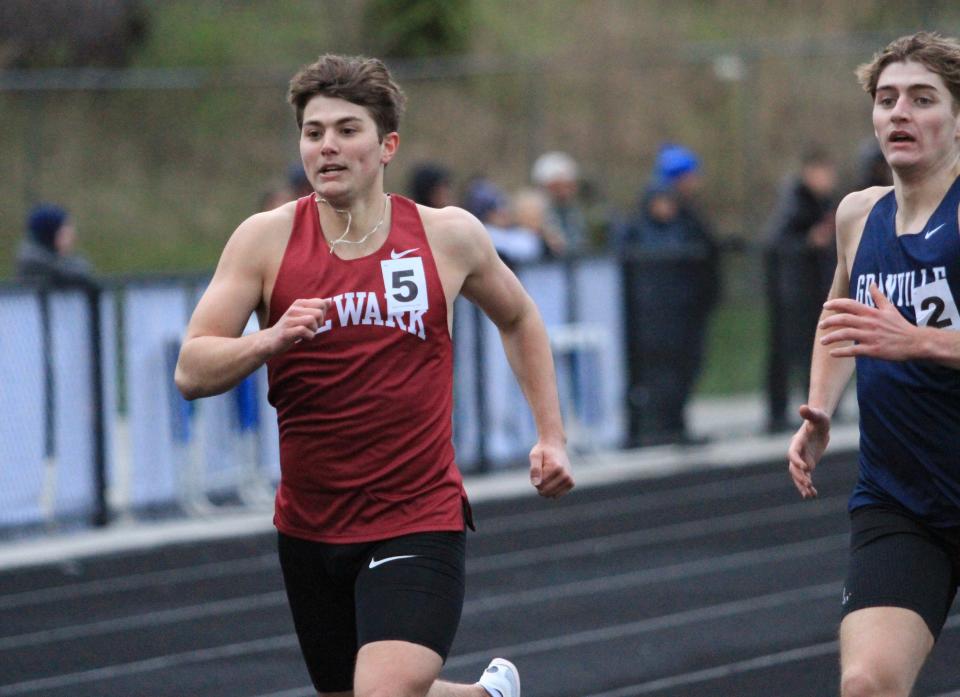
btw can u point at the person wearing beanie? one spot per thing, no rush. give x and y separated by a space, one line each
674 162
669 268
46 255
678 168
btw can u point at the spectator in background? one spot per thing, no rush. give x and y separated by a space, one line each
430 185
679 168
274 197
873 169
557 174
530 207
297 186
668 264
514 244
297 181
799 258
47 254
600 217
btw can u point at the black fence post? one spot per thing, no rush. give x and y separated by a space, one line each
101 512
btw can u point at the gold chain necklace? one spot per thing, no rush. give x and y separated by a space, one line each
342 239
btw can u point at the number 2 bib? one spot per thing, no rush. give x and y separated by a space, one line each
935 306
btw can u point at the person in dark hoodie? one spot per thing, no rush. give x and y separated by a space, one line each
47 254
669 298
799 254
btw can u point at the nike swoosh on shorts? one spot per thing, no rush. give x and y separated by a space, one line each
374 563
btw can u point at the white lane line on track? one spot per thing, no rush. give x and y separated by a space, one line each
602 469
133 537
159 618
661 574
726 670
309 692
277 643
164 578
756 663
529 596
673 532
716 672
638 627
289 641
692 677
644 501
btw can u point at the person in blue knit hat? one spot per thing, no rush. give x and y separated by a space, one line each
678 168
675 162
671 267
46 255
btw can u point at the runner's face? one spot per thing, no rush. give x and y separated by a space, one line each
913 117
342 155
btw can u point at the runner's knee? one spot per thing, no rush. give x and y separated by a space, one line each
404 687
870 681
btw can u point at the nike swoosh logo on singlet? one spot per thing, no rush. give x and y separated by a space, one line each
394 254
374 563
930 232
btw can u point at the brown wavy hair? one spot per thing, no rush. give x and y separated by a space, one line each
939 54
357 79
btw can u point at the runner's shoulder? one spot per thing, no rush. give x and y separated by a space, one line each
856 206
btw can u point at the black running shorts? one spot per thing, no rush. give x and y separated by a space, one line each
897 561
343 596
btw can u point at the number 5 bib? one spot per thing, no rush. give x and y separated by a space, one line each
405 284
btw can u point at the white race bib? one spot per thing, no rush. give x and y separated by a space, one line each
405 284
935 307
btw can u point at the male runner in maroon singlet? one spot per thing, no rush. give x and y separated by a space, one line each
354 290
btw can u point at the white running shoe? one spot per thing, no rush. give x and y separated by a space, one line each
501 679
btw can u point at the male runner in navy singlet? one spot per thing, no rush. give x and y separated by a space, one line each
892 313
354 290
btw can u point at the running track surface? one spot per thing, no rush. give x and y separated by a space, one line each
718 582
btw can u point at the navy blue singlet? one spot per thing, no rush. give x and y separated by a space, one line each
910 410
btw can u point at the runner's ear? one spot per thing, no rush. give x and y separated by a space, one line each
388 147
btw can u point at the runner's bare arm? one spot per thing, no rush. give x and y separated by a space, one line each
495 289
829 374
214 356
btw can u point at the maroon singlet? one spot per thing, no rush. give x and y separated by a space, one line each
364 408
